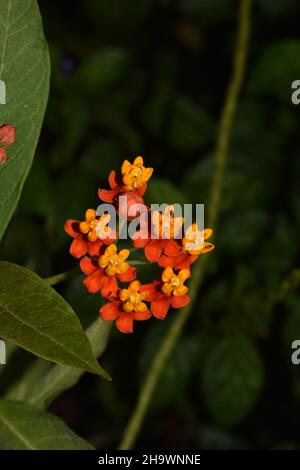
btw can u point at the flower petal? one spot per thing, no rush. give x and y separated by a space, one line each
180 301
107 195
142 189
112 179
94 247
110 287
129 275
140 242
142 315
94 282
167 274
87 265
160 307
172 248
125 323
151 289
110 311
71 227
186 262
79 247
153 250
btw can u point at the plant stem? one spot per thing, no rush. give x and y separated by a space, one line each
137 262
63 276
221 153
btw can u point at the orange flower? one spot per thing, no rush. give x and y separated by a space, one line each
194 240
102 274
85 236
164 249
134 177
129 306
163 244
168 292
194 244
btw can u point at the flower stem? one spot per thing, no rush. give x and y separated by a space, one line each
62 276
137 262
221 154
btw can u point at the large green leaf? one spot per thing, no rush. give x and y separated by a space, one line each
232 379
60 378
35 317
25 69
23 427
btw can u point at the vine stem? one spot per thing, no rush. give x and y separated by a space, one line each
57 278
67 275
221 154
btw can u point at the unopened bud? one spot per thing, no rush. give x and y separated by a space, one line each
3 156
7 135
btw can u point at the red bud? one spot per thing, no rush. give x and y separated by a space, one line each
3 156
7 135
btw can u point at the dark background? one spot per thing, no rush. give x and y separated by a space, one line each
148 77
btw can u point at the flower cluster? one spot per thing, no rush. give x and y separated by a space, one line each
7 138
110 269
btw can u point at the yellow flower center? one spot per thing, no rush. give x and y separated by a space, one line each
88 227
135 174
133 299
174 283
165 224
194 240
114 262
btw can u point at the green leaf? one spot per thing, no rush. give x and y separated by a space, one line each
60 378
25 69
23 427
232 379
38 319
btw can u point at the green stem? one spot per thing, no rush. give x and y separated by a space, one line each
62 276
137 262
221 153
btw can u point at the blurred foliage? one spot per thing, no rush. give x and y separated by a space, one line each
148 77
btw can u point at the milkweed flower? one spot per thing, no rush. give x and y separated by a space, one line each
194 244
163 248
169 291
105 265
104 272
132 185
85 234
128 306
134 177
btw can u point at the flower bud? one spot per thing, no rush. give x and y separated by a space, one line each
7 135
130 205
3 156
